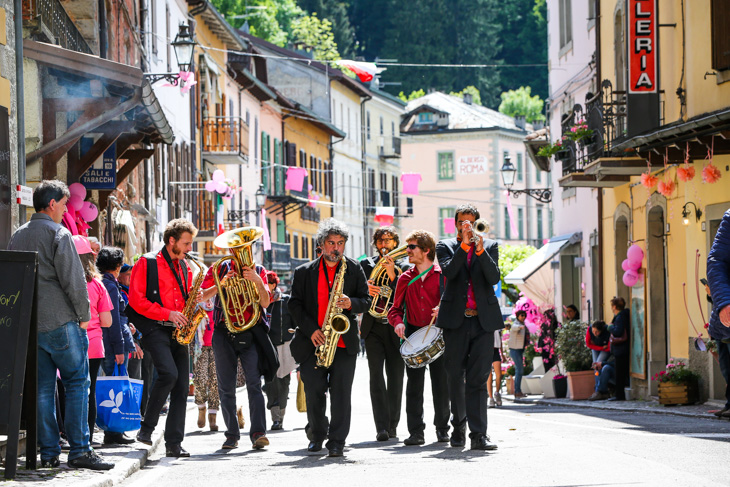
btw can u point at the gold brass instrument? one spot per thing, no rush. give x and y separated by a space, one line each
335 322
194 313
236 293
480 228
379 276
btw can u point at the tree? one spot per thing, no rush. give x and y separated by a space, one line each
510 257
336 12
315 35
271 23
476 97
520 103
412 96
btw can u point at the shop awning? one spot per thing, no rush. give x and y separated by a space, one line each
533 277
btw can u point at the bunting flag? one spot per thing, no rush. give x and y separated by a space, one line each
267 237
449 226
295 178
511 213
410 182
385 215
313 197
364 71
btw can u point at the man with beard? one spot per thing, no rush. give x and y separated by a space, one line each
308 305
381 343
158 290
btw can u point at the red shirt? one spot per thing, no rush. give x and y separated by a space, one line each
419 298
209 281
325 282
170 294
470 249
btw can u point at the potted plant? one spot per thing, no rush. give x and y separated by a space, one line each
570 345
560 385
508 372
677 384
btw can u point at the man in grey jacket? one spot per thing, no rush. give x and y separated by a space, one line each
63 313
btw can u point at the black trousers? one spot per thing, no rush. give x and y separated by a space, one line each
94 365
277 392
622 375
173 376
383 351
147 372
338 380
469 353
439 390
226 368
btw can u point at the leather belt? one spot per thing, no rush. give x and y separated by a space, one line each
470 312
167 323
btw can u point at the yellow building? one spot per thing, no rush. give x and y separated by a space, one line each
661 112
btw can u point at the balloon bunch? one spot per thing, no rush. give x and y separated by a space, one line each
219 184
631 266
79 212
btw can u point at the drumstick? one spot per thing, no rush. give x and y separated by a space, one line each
406 339
433 318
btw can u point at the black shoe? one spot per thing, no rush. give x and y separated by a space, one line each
52 462
117 439
277 425
64 445
392 433
176 451
336 451
230 444
721 412
314 446
482 442
144 437
458 437
90 460
382 435
414 440
442 436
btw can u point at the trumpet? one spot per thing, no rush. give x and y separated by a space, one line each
480 228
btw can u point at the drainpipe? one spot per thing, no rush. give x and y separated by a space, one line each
600 190
19 95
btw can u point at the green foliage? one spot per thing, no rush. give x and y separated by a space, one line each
272 23
571 346
412 96
520 103
315 35
336 12
476 97
511 256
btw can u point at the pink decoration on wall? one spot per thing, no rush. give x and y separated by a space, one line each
267 237
648 181
221 187
410 182
626 265
295 178
710 174
449 226
630 278
666 187
511 213
686 173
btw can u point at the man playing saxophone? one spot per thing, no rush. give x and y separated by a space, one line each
381 343
240 335
158 292
325 293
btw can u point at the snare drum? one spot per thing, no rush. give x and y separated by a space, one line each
423 347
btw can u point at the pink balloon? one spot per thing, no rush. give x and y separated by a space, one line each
630 278
221 187
626 265
76 202
635 254
218 175
78 189
89 212
211 185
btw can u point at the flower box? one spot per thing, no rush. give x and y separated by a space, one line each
191 390
582 384
671 393
510 384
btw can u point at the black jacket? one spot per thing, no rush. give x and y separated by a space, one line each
280 321
367 266
621 322
484 274
303 306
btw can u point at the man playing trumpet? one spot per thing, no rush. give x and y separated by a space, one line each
381 342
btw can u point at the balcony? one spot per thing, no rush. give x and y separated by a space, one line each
278 258
225 140
389 147
205 218
310 214
48 21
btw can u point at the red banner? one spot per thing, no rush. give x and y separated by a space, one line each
642 46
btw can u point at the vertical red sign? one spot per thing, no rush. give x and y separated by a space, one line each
642 46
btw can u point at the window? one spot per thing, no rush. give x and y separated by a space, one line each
619 48
371 190
507 226
446 166
381 125
305 247
539 226
153 25
520 218
392 129
367 116
384 195
302 158
295 246
394 183
550 223
167 38
519 166
409 205
425 117
349 132
720 38
446 213
566 28
279 171
538 175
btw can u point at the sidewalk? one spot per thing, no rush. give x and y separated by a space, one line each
653 406
127 458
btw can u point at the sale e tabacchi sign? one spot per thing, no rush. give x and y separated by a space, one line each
642 46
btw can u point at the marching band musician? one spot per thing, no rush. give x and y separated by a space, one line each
158 292
312 286
469 315
251 347
381 342
415 306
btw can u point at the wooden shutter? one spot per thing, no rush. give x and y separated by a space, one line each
720 34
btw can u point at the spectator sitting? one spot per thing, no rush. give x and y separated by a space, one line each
597 340
605 375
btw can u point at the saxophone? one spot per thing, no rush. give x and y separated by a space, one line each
335 322
383 301
194 313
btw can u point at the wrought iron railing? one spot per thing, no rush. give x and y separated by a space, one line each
225 135
48 18
389 147
310 214
279 257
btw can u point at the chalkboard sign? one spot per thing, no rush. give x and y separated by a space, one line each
17 328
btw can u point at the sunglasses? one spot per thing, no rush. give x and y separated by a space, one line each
413 247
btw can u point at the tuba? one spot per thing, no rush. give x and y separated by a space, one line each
236 293
194 313
381 304
335 322
479 229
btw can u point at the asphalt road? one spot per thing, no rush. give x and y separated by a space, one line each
538 445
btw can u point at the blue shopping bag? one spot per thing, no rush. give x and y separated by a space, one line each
118 400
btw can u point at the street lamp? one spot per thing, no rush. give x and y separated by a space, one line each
261 197
686 213
240 215
543 195
184 47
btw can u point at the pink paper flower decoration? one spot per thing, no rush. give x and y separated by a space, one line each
666 188
686 173
710 174
648 181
